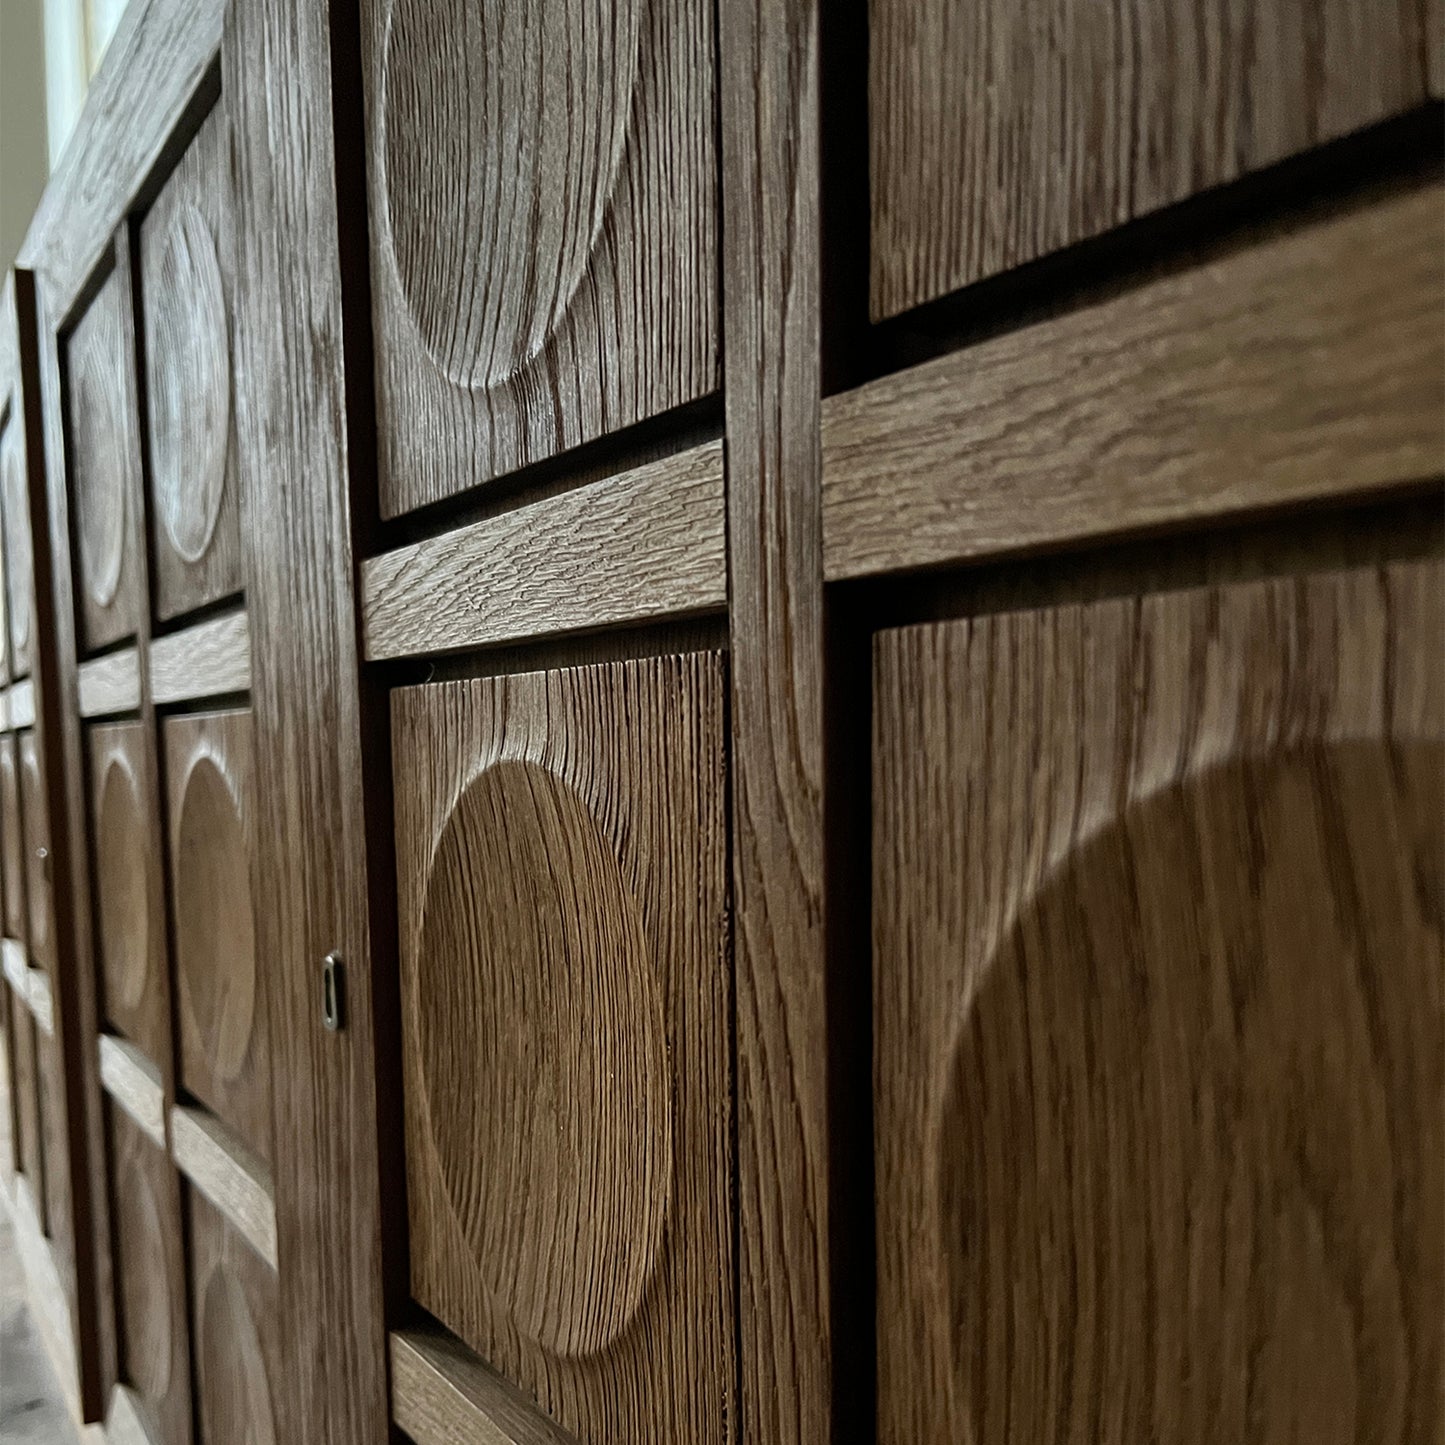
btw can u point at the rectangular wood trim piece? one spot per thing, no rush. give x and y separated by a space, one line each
205 660
125 1422
51 1310
642 546
17 968
234 1179
1303 367
21 704
109 684
42 1005
441 1392
135 1084
5 724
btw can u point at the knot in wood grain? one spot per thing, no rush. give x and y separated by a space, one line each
544 1058
124 889
505 127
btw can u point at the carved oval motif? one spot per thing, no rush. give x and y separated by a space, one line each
145 1286
544 1059
1183 1163
236 1404
503 129
215 927
17 539
99 436
189 372
124 887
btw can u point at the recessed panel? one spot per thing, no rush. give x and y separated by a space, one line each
56 1144
148 1263
224 1056
126 876
40 913
12 840
15 507
537 281
234 1332
104 454
30 1143
1160 1017
562 869
1003 130
187 250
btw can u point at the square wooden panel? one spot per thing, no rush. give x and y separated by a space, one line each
103 442
561 859
188 267
12 840
30 1141
55 1142
225 1061
1002 130
15 516
536 282
126 875
40 915
234 1335
149 1270
1160 1017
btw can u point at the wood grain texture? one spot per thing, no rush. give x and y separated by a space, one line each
152 68
646 545
59 1215
150 1276
104 461
15 511
135 1083
188 262
128 1421
12 842
30 1143
129 886
1303 368
109 684
20 704
1001 131
535 284
562 908
442 1393
9 1096
224 1055
1160 1016
39 901
235 1180
17 968
238 1359
205 659
772 243
42 1001
293 351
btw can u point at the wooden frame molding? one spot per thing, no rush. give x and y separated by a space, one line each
135 1084
441 1393
1236 385
20 704
17 967
644 545
207 659
109 684
234 1179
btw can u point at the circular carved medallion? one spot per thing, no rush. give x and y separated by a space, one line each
235 1388
123 884
503 132
215 927
190 383
543 1056
99 435
144 1280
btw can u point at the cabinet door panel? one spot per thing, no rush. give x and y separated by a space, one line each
30 1145
13 841
15 507
39 902
560 846
1002 130
1159 1031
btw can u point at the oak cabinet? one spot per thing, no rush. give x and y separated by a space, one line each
562 898
1157 943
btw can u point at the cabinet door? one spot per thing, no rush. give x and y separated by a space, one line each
1159 1017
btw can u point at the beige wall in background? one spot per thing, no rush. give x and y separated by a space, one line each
24 163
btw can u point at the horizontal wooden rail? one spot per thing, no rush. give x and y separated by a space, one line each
20 705
130 1078
638 547
234 1179
109 684
205 660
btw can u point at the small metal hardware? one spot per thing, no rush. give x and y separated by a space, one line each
332 992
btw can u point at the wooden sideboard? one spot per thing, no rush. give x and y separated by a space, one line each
726 723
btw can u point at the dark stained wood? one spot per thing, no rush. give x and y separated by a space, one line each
536 283
130 887
1301 367
150 1275
1160 1017
310 707
39 904
240 1368
221 984
104 461
187 262
562 887
771 317
1005 129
